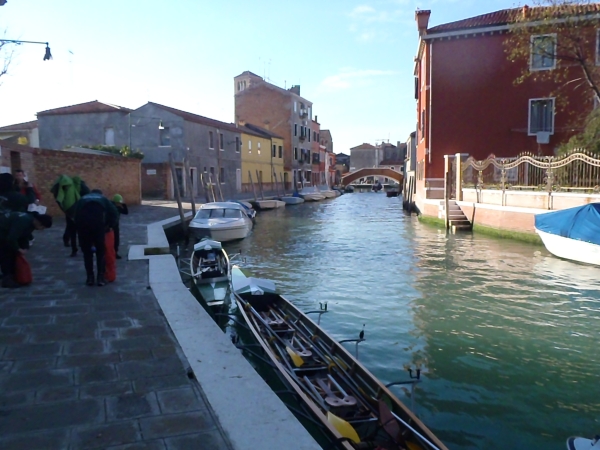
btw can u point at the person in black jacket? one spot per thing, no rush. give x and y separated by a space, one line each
10 199
94 216
122 209
15 229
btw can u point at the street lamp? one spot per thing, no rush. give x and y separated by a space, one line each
47 55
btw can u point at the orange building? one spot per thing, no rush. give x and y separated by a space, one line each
468 101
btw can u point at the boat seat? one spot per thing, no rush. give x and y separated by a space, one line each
273 321
333 399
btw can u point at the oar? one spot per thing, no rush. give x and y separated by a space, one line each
296 359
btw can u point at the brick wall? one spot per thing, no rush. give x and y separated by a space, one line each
111 174
156 180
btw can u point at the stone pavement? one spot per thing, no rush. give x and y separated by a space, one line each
96 367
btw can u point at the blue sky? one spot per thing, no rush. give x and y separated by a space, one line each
352 59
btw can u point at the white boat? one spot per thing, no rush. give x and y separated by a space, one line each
572 233
221 221
269 204
210 269
328 193
311 194
292 200
579 443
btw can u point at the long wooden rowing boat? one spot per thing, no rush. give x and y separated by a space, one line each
356 409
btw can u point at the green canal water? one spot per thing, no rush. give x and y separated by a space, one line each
506 335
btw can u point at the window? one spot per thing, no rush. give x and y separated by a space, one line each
211 142
274 152
237 144
221 142
258 147
543 52
294 106
296 153
295 129
249 146
308 132
165 137
222 175
541 116
109 136
281 151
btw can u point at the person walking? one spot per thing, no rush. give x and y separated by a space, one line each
67 191
15 229
94 215
122 209
22 184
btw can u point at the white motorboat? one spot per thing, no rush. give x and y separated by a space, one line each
580 443
291 200
328 193
572 233
311 194
210 269
221 221
269 204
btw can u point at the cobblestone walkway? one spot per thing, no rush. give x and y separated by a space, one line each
95 367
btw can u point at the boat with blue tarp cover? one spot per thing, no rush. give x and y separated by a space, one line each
572 233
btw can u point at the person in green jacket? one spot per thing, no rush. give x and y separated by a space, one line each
94 215
67 191
15 229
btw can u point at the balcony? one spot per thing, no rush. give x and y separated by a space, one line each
303 113
302 137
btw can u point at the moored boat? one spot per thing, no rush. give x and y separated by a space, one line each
580 443
210 269
269 204
221 221
572 233
353 406
325 191
311 194
292 200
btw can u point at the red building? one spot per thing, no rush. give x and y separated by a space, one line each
468 101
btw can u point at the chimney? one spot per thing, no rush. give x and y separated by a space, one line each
525 11
242 123
316 119
295 89
422 18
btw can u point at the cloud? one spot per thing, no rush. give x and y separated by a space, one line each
348 79
372 23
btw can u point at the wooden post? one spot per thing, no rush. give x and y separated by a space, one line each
219 187
178 196
447 184
458 193
212 187
260 186
277 184
282 183
190 183
252 183
204 187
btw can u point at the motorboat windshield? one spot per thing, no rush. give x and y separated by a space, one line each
219 213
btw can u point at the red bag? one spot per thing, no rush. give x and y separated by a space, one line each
110 257
22 270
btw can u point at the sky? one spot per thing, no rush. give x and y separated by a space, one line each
352 59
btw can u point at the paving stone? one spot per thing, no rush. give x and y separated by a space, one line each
160 383
57 394
105 389
50 415
32 351
210 440
131 406
85 347
153 368
52 310
137 343
9 330
123 323
11 339
95 374
35 364
175 424
27 320
146 445
37 379
136 355
53 333
118 306
149 330
50 440
5 366
108 334
87 360
104 435
10 399
164 351
179 400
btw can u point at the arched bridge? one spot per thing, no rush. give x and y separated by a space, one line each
381 171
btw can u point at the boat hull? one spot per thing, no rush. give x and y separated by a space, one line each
571 249
292 200
269 204
341 366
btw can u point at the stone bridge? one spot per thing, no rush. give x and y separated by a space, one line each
381 171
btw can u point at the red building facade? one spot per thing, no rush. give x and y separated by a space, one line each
468 101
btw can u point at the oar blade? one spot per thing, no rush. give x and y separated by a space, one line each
296 358
343 427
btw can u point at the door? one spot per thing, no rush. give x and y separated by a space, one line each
180 181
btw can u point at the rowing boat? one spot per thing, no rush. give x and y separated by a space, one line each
354 407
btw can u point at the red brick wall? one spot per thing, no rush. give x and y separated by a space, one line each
156 185
111 174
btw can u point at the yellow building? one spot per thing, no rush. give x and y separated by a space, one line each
262 160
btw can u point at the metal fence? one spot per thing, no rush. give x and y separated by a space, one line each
577 171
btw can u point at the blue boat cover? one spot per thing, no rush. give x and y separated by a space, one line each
581 223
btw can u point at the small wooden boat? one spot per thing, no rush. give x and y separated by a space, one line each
210 269
268 204
355 408
291 200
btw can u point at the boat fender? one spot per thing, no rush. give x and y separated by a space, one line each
314 337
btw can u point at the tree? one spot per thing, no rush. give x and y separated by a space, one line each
558 34
6 54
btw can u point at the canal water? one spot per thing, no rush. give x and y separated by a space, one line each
505 335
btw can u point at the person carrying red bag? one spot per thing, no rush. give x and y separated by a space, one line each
15 229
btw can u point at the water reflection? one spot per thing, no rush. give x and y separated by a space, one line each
505 333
